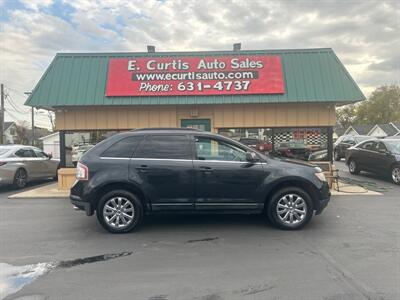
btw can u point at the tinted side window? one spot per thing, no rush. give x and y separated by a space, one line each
165 146
369 146
210 149
381 147
25 153
123 148
40 154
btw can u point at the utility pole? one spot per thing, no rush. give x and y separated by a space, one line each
2 114
33 126
33 120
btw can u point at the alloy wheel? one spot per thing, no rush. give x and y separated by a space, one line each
396 174
21 178
118 212
352 166
291 209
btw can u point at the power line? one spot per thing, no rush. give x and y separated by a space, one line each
11 101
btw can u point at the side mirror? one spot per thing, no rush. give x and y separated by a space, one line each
251 157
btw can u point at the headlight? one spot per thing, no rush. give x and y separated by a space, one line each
319 174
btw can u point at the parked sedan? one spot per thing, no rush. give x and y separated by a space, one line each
20 164
346 141
378 156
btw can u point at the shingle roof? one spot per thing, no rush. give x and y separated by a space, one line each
310 75
8 124
362 129
388 129
396 124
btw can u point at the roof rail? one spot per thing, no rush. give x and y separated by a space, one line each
167 128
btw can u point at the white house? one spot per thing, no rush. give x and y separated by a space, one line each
51 144
10 133
383 130
358 129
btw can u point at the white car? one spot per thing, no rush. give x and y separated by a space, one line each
20 164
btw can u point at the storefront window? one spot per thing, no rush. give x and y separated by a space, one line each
294 143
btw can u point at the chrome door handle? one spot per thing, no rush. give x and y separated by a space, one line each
142 168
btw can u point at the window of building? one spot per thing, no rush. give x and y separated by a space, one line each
164 147
212 149
307 143
123 148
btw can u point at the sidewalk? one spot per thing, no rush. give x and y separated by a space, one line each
352 189
51 191
47 191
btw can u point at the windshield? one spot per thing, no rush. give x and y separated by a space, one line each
393 146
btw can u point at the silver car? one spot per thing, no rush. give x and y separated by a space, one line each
20 164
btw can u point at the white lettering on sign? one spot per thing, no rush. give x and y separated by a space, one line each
131 65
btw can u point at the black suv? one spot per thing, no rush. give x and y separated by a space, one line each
150 171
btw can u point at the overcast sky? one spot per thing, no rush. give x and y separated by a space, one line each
364 34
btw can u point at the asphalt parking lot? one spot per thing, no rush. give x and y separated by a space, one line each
351 251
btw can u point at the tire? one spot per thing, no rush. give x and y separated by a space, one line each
353 167
283 201
395 174
336 155
20 179
115 199
55 178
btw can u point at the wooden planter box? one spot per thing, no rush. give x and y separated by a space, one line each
66 178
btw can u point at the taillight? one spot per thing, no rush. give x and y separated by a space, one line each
2 163
82 172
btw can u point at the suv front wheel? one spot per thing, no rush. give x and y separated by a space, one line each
119 211
290 208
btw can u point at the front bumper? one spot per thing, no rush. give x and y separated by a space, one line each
82 205
324 196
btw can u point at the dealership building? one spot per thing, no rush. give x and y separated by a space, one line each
274 96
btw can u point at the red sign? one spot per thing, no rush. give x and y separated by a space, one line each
219 75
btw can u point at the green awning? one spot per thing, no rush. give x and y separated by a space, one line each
310 75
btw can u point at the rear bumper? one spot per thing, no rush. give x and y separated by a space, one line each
82 205
323 204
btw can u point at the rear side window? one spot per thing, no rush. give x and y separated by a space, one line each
123 148
164 147
25 153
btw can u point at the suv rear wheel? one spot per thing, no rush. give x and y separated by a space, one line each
290 208
119 211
